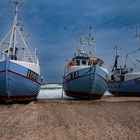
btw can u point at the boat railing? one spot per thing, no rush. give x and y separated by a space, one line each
28 57
25 56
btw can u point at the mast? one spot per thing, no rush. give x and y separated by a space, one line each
90 41
12 46
116 58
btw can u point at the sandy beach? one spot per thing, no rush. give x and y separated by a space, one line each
111 118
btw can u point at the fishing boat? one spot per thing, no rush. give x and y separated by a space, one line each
85 75
19 67
124 80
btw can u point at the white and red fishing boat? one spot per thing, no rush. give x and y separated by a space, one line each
124 80
19 67
85 74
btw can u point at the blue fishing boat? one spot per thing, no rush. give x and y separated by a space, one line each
124 80
19 67
85 75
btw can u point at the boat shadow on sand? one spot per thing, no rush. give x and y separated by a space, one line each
10 102
24 102
106 98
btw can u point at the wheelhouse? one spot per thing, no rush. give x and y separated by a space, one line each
81 61
119 74
87 61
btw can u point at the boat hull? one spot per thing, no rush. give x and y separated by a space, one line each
89 83
17 83
127 88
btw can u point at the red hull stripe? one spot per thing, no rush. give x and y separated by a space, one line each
101 77
2 71
87 75
69 80
24 77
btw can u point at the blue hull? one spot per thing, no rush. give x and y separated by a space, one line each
15 83
127 88
89 83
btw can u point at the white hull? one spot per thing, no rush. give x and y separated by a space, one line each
19 67
85 82
18 81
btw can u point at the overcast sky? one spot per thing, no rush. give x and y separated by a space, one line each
55 25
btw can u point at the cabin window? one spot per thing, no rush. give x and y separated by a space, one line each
84 62
89 63
118 72
77 62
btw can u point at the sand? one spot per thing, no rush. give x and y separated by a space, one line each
112 118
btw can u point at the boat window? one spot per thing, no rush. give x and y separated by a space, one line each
118 72
77 62
84 62
89 63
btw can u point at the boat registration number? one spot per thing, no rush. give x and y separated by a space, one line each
32 75
74 75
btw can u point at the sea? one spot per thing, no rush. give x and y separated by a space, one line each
55 91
